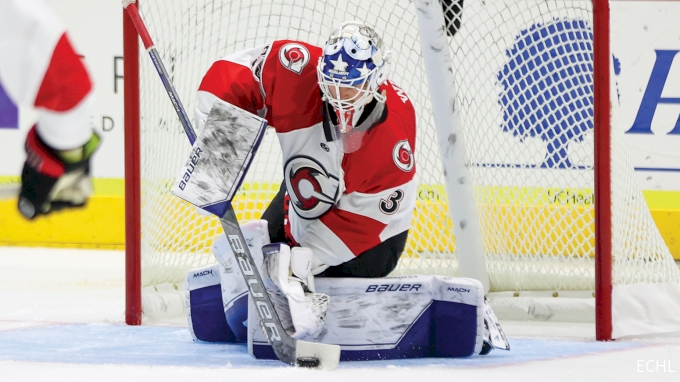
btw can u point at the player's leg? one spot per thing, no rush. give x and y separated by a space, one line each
378 261
274 215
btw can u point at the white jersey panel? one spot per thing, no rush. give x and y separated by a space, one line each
386 206
313 175
204 102
64 130
328 248
29 31
314 181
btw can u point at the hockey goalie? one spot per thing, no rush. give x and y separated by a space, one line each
339 223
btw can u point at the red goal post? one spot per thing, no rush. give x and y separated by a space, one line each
549 212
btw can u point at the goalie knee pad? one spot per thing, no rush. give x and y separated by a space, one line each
233 286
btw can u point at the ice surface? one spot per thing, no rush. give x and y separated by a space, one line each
62 319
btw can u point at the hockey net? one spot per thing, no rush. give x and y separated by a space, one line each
523 70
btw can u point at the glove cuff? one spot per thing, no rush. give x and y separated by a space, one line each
41 157
81 153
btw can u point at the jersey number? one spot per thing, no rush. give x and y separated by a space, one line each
391 205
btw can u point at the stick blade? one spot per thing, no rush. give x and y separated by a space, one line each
328 355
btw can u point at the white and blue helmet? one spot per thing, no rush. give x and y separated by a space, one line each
353 57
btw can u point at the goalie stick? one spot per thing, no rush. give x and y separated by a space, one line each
286 348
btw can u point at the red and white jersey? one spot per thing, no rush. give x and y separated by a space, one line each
340 205
38 67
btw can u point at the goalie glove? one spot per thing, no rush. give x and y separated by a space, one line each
287 277
52 179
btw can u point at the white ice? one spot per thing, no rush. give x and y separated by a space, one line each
62 319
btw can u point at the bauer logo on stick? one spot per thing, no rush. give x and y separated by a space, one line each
294 57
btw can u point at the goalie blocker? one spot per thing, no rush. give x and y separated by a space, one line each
371 319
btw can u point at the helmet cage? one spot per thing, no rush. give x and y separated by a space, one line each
352 58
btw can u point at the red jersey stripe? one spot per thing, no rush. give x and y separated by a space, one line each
359 233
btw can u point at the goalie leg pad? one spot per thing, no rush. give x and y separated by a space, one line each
205 314
398 317
234 288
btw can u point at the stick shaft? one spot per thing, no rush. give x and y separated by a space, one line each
162 72
283 344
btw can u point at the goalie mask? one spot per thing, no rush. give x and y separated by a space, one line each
350 72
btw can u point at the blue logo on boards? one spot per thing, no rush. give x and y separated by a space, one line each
9 113
548 87
652 97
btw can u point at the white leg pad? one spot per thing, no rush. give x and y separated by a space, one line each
256 235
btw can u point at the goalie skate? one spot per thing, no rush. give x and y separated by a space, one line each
494 338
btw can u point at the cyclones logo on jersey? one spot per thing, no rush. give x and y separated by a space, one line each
403 156
311 188
294 57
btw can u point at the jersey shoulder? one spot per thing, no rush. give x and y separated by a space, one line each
291 63
386 158
400 122
298 57
290 84
399 106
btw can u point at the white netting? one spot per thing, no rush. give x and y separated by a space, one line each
523 70
189 36
525 89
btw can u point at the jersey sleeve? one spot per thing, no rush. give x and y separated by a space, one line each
235 79
279 76
380 192
39 67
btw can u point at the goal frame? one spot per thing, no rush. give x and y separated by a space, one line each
602 189
133 195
